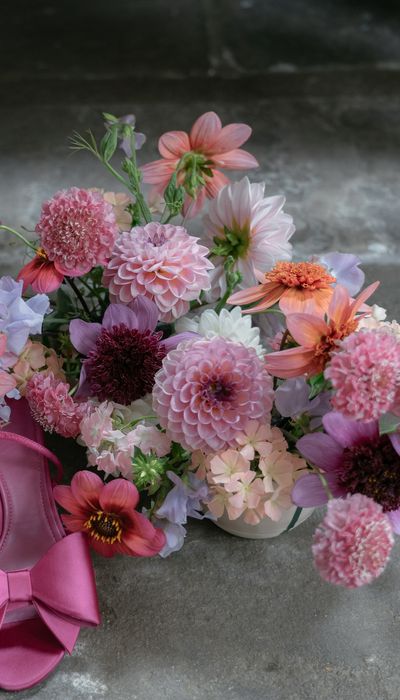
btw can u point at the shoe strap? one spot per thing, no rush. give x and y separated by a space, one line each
37 447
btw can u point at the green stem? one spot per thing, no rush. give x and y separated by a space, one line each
18 235
223 301
79 295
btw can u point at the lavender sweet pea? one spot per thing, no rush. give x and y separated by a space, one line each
291 400
19 318
345 267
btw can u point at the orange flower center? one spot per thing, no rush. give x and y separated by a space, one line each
41 253
306 275
329 342
105 527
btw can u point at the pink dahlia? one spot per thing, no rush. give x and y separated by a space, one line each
365 374
197 157
207 390
352 545
52 406
161 262
250 227
77 230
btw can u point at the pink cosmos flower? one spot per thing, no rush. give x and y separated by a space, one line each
207 390
227 466
246 493
77 230
106 513
365 373
352 545
242 222
317 338
41 274
162 263
52 406
197 158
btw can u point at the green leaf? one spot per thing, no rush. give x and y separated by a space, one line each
108 143
110 117
174 196
388 423
317 384
64 302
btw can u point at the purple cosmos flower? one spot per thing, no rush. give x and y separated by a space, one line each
184 500
19 318
354 458
345 267
291 400
123 353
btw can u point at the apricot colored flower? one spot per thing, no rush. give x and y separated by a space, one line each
317 338
197 158
106 513
300 287
36 357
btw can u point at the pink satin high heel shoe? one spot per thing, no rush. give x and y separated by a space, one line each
47 585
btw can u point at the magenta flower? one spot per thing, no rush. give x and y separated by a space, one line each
352 545
161 262
106 514
52 406
365 374
199 157
354 458
123 353
77 230
207 390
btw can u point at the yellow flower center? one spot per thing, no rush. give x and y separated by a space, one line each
105 527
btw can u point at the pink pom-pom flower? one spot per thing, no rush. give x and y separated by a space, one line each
52 406
207 390
161 262
352 545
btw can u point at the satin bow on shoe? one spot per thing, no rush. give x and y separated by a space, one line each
61 587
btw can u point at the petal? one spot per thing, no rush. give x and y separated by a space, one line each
174 144
64 497
84 335
120 313
205 131
305 301
290 363
349 432
119 495
309 490
7 383
147 313
86 488
394 517
321 450
395 440
230 137
215 183
269 292
362 298
307 330
235 160
158 172
339 307
173 341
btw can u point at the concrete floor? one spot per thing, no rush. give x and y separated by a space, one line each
224 619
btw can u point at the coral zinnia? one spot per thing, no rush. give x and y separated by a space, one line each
354 458
207 390
41 273
317 338
250 227
352 545
161 262
198 157
365 374
77 230
300 287
123 354
106 513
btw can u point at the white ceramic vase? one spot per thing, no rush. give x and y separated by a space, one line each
266 528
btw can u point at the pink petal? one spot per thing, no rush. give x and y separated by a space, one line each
395 440
349 432
119 313
394 517
215 184
64 497
158 172
205 131
306 329
7 383
174 144
289 363
86 488
321 450
84 335
230 137
309 490
119 495
235 160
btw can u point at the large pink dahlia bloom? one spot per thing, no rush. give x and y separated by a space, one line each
161 262
207 390
77 230
365 374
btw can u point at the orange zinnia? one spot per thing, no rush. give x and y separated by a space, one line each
316 337
302 287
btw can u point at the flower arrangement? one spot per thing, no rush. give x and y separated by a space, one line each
203 376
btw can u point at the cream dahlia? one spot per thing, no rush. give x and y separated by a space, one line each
77 230
161 262
207 390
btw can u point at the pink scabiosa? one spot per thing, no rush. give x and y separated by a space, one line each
52 406
77 230
207 390
123 353
161 262
365 373
250 227
352 545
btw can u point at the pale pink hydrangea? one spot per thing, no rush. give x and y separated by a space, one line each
161 262
52 406
207 390
365 374
77 230
352 545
